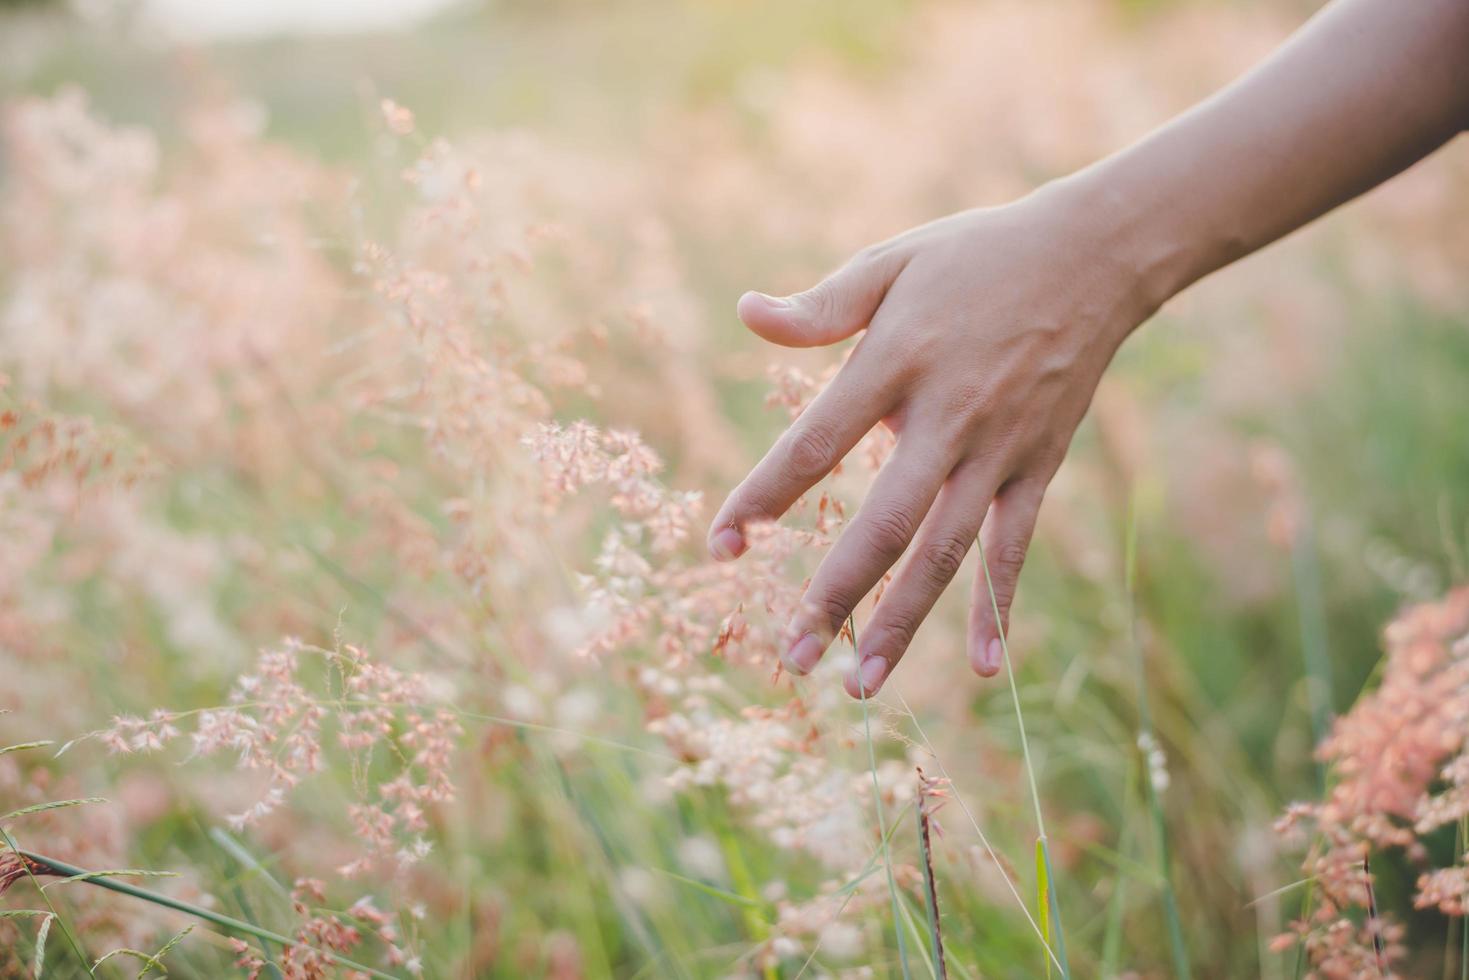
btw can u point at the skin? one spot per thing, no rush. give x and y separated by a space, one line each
984 334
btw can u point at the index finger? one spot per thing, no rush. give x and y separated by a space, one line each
872 543
846 410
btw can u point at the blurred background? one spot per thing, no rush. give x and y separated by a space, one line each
274 348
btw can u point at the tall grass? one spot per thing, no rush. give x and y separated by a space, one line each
246 399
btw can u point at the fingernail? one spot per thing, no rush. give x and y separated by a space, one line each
778 302
990 663
873 670
726 544
801 658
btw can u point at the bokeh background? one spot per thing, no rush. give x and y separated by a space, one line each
278 359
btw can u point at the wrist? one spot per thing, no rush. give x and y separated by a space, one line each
1155 249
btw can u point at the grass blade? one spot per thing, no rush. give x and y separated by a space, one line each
43 807
1051 904
120 873
23 746
150 960
1043 895
1050 910
882 829
1315 651
723 895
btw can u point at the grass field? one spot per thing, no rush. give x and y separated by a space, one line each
355 457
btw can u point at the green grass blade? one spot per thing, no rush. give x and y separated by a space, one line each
113 954
250 862
149 960
1315 651
1053 907
120 873
156 960
1050 909
43 807
23 746
1043 896
722 894
882 829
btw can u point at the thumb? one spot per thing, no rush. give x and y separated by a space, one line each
832 310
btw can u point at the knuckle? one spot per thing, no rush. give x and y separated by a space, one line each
811 452
829 608
966 401
1009 559
889 531
912 355
821 300
864 259
941 558
956 436
893 637
749 504
750 501
872 260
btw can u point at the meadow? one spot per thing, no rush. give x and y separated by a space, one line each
363 403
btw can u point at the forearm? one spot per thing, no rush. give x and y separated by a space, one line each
1364 90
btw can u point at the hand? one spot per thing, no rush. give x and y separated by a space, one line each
986 335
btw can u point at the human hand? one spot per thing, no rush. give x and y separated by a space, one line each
986 335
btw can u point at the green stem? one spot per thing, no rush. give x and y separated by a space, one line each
223 921
1035 796
1306 572
881 820
1053 903
744 883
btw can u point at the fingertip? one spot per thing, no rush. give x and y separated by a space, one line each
804 654
770 318
866 679
756 303
758 311
985 656
726 543
994 652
